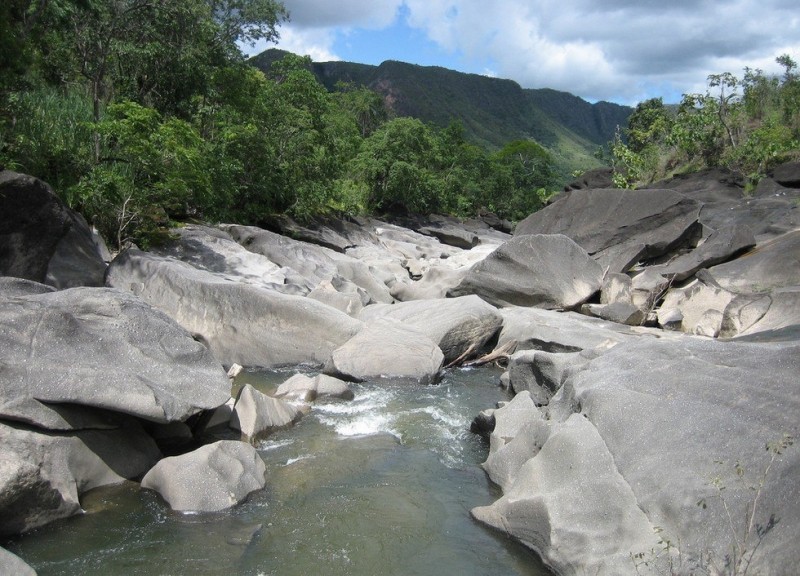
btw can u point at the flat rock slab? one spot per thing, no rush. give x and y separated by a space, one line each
240 323
723 244
456 325
552 331
103 348
212 478
773 264
542 270
387 348
619 227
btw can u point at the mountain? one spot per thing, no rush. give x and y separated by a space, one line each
493 111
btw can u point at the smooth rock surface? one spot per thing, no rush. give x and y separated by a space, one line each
41 239
546 271
12 564
214 477
42 475
256 415
619 227
104 348
644 430
387 348
240 323
456 325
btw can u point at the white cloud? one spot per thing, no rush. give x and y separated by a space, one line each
621 50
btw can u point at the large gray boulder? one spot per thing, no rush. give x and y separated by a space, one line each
619 227
214 477
667 433
101 348
41 239
240 323
387 348
42 475
457 325
546 271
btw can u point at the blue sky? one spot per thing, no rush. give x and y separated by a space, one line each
622 51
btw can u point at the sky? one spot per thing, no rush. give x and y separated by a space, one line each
622 51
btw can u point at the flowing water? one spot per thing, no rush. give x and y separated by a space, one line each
380 485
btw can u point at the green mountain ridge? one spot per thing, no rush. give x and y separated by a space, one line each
493 111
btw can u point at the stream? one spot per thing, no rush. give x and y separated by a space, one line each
380 485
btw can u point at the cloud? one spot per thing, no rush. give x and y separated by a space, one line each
619 50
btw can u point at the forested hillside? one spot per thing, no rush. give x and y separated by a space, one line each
144 114
492 111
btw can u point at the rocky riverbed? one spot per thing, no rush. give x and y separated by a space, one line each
649 338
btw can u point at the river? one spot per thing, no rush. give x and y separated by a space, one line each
380 485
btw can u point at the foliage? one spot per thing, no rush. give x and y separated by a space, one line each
151 168
746 125
140 113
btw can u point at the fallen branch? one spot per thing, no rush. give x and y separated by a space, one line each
504 352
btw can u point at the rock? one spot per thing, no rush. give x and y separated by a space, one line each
700 309
519 433
257 415
457 325
214 250
436 281
771 265
541 373
546 271
305 389
103 348
597 178
570 504
619 227
616 287
235 370
12 564
647 288
787 174
748 315
769 213
619 312
552 331
43 240
214 477
239 323
638 435
386 348
350 304
452 235
723 244
42 475
312 264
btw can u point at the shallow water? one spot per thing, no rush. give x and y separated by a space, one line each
382 485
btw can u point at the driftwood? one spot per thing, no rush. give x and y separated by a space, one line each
498 354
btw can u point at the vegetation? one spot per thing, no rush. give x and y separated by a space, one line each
142 113
746 125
